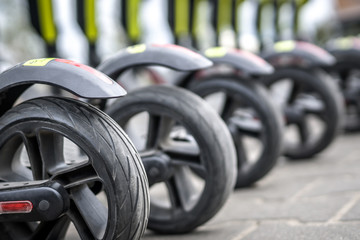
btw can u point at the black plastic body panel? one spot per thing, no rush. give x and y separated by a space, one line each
167 55
76 78
79 79
49 200
298 54
346 54
248 63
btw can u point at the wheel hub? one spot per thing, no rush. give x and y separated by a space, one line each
157 166
293 115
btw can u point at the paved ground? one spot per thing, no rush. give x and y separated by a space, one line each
315 199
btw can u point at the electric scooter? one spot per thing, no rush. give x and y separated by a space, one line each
104 193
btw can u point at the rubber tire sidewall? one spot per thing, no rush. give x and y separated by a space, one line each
117 162
257 97
212 136
332 100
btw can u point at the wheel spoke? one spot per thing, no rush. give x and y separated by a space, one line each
153 131
52 229
303 129
317 107
246 126
76 175
310 104
79 223
91 210
159 128
292 114
17 230
294 92
181 189
185 154
51 146
185 188
173 194
240 150
297 116
33 149
230 105
45 152
11 167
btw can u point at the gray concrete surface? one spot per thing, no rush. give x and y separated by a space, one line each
313 199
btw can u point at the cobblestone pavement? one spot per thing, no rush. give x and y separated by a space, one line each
312 199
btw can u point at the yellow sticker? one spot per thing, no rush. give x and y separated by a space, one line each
215 52
39 62
136 48
284 46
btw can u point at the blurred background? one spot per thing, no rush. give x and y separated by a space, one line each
319 21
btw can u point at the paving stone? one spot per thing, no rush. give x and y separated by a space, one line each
320 166
337 184
226 230
286 182
274 188
353 214
317 209
313 199
284 231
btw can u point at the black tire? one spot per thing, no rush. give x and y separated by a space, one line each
46 126
347 71
212 162
247 94
310 86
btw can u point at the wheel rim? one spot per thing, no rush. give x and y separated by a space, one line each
166 146
348 77
305 112
34 150
244 123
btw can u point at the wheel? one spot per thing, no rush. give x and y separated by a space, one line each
312 107
63 138
347 72
254 122
187 153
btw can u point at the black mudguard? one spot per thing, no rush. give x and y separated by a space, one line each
76 78
249 64
246 64
298 54
167 55
346 50
347 59
346 55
